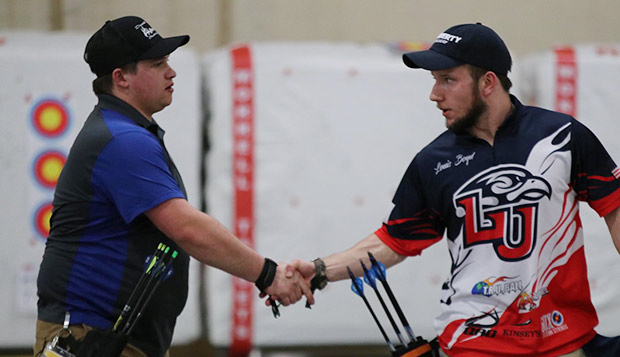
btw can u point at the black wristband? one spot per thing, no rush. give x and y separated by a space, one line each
266 275
319 281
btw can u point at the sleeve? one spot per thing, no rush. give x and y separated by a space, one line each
412 225
133 173
595 176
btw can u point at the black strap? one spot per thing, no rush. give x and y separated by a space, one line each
265 279
266 275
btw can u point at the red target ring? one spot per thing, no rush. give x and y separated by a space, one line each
50 118
47 168
42 219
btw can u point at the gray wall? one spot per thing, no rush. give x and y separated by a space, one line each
526 26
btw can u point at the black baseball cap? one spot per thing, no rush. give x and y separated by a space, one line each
124 40
473 44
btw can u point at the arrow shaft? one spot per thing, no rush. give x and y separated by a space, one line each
389 315
381 275
146 294
131 324
374 316
129 305
399 311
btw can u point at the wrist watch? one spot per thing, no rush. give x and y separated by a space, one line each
320 275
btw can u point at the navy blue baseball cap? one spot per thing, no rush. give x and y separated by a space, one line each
125 40
473 44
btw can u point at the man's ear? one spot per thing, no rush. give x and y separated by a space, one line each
119 78
488 82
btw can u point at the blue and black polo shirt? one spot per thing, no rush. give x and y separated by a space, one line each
117 169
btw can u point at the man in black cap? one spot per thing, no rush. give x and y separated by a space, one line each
503 185
120 197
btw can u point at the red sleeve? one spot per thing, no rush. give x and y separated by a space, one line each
607 204
404 246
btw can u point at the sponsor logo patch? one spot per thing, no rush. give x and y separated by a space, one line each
552 323
482 325
529 302
500 286
522 334
445 37
148 32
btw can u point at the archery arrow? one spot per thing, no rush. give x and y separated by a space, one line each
379 269
358 288
369 278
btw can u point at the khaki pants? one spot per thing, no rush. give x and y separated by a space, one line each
46 331
578 353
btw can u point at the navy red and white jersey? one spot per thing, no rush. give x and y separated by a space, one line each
518 279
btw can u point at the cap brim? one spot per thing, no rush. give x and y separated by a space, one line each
165 47
429 60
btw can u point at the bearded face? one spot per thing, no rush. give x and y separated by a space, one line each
462 124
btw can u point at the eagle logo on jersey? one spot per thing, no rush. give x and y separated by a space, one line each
499 207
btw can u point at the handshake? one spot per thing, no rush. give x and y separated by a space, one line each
290 282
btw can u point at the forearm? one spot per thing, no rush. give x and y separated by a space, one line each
211 243
613 223
205 239
337 263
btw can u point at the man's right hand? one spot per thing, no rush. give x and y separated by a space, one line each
304 267
289 286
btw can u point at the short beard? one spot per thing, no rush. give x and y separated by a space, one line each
463 124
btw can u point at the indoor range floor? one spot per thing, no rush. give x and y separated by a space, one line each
202 348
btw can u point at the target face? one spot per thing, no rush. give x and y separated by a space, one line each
50 118
47 168
42 219
557 318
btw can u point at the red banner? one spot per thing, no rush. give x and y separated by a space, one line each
243 189
566 81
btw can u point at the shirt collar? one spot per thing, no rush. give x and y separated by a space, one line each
511 118
110 102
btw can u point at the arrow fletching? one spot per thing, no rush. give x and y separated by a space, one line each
377 267
369 276
356 284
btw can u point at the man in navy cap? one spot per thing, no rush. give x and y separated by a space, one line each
503 185
120 196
